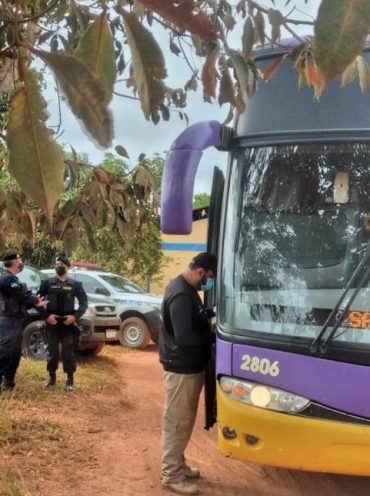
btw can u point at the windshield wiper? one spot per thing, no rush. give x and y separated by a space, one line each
337 315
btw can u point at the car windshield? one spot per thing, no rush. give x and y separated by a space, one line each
121 284
298 223
31 277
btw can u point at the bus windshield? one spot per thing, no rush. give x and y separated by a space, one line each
297 225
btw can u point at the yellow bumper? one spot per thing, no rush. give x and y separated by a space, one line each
293 442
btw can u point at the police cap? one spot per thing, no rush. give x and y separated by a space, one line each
64 259
10 255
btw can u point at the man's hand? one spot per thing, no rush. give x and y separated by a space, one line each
51 319
210 313
69 320
41 302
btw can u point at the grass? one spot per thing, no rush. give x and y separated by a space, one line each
38 427
10 483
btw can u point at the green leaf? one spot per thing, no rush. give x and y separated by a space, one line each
70 237
363 73
248 37
242 76
229 22
226 93
2 197
276 19
87 213
143 176
340 33
259 21
349 74
89 234
122 151
35 159
174 48
96 49
147 62
86 95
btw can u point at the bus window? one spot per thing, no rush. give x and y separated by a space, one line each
293 248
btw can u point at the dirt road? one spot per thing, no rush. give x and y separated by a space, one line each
126 450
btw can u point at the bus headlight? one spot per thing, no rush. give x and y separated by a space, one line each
263 396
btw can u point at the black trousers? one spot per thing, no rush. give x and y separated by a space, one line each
10 348
64 335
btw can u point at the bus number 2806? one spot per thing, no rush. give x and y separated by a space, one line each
259 365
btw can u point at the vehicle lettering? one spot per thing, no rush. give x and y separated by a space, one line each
259 365
132 303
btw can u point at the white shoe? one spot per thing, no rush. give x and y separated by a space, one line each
181 487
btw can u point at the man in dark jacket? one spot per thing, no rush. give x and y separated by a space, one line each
185 346
14 301
61 318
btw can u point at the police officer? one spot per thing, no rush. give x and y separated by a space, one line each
61 318
14 301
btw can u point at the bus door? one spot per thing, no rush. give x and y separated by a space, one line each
214 222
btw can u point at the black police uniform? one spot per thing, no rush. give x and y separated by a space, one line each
14 301
61 296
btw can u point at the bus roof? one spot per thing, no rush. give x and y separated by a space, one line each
285 45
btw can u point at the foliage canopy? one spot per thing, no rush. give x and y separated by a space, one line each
95 48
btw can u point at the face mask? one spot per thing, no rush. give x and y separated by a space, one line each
60 270
207 285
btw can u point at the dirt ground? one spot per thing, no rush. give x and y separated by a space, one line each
121 448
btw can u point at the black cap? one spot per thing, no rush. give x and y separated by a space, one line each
64 259
10 255
205 260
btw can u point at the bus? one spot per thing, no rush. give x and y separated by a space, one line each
290 222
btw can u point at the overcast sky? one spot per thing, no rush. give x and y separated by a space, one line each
139 136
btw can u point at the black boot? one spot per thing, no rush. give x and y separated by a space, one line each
8 384
69 383
50 383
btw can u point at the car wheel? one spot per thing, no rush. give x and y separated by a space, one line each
134 333
91 352
33 342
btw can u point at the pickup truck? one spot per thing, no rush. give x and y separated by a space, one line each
98 325
138 310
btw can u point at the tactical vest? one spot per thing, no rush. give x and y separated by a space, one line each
12 308
61 297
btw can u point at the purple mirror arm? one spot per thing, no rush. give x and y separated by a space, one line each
179 171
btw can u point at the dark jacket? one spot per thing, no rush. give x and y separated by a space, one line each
61 296
185 338
14 297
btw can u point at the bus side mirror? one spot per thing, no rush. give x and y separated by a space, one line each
179 173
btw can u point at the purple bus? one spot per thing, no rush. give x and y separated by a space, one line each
291 225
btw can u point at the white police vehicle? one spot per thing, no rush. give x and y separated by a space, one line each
139 311
98 325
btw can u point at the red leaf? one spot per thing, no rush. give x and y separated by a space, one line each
184 16
209 78
312 74
272 68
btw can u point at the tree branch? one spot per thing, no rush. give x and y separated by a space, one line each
41 14
126 96
185 56
264 10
